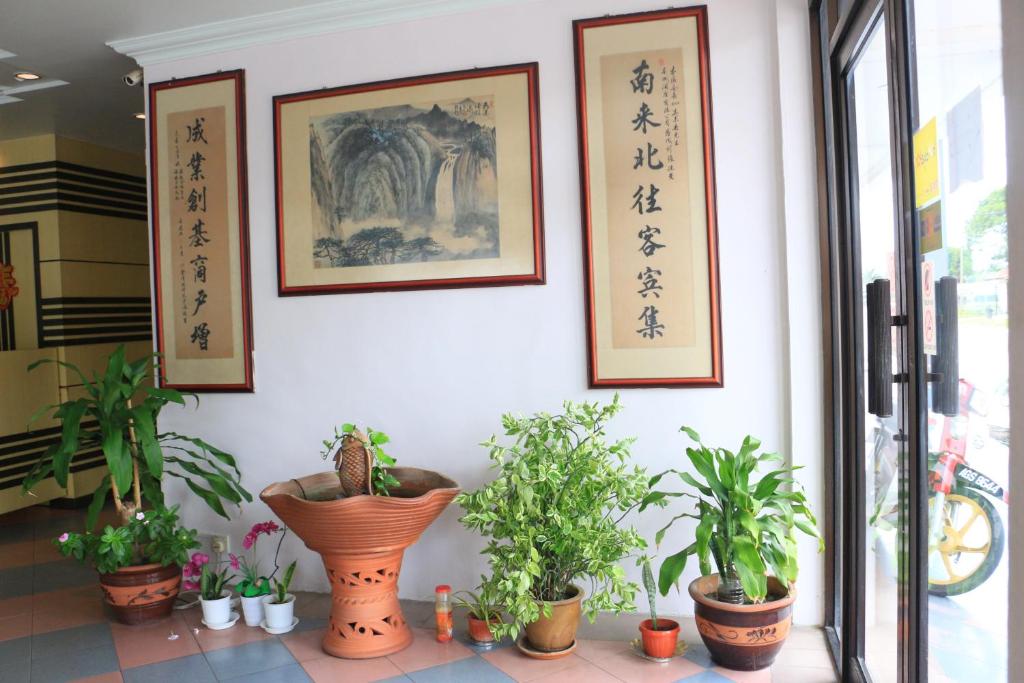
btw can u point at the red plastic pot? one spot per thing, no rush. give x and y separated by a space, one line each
659 643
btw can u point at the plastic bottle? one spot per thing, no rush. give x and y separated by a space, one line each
443 613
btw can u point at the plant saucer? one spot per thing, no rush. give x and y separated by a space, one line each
637 646
232 618
279 631
530 651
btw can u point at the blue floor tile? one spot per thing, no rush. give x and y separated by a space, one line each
16 659
250 658
51 576
16 533
293 673
56 643
705 677
72 665
396 679
16 581
193 669
310 624
472 670
698 654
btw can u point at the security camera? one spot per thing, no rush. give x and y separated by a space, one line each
133 77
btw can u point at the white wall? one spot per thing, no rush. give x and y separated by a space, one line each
435 369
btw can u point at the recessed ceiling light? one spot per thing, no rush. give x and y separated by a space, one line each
141 116
26 76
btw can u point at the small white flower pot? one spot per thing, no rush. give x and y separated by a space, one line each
279 615
217 611
252 609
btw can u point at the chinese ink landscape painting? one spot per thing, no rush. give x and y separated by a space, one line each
425 189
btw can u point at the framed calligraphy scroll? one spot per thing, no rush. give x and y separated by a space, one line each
648 199
413 183
201 232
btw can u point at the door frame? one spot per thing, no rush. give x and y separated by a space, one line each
838 30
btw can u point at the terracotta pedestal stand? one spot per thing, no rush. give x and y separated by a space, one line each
361 540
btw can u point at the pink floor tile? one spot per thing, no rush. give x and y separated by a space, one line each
425 652
630 667
595 650
15 627
208 639
523 668
584 672
141 645
43 550
334 669
17 554
12 607
68 608
761 676
305 645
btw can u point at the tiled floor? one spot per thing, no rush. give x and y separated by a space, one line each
54 628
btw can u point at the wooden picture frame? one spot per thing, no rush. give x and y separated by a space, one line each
199 194
648 199
413 183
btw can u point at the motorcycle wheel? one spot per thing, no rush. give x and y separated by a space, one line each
972 544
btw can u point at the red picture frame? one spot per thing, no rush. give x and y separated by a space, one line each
714 377
165 373
536 274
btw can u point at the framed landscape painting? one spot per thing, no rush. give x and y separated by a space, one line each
423 182
201 232
648 199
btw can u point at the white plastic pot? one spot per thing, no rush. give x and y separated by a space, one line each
252 609
279 615
216 612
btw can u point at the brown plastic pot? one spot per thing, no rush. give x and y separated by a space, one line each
361 541
660 643
557 633
479 631
742 637
142 593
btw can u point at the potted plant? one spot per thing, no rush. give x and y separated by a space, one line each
138 562
659 636
481 614
254 585
746 523
117 414
361 518
213 597
554 517
280 604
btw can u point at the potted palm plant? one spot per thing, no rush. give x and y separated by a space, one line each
747 525
481 614
279 606
659 637
554 517
118 415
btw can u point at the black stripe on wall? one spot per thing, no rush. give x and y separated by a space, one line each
71 177
65 206
73 321
67 165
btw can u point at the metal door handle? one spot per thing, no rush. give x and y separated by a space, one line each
879 348
945 374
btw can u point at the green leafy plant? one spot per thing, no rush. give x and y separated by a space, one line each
554 513
138 457
149 536
746 524
649 586
281 586
478 603
211 581
381 481
253 583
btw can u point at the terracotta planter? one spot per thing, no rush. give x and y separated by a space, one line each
557 632
142 593
659 643
742 637
361 541
478 629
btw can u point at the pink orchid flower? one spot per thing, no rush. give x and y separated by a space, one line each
235 564
190 586
63 538
199 559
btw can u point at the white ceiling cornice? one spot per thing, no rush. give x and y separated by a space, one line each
270 27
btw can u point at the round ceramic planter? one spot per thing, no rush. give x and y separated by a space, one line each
361 541
557 633
217 612
279 614
252 609
742 637
660 643
479 631
142 593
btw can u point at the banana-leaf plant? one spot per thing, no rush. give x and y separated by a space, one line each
746 523
137 456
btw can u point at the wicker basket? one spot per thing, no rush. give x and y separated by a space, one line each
354 461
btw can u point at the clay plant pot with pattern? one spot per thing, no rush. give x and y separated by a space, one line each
362 536
746 524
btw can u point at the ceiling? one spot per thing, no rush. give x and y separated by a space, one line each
66 41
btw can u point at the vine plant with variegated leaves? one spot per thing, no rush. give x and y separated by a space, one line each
747 526
137 456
